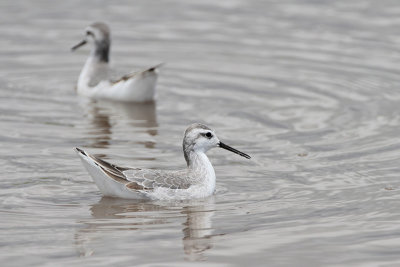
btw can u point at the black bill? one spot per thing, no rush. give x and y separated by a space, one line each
83 42
222 145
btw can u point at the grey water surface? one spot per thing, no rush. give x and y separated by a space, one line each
310 89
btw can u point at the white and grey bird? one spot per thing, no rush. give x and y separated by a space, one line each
94 80
196 181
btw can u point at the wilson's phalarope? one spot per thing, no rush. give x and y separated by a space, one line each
94 79
196 181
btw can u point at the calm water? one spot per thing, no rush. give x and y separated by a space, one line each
309 88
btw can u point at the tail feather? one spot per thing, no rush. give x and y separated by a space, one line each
80 151
107 177
111 170
154 67
133 74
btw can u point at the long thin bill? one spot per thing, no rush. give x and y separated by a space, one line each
83 42
222 145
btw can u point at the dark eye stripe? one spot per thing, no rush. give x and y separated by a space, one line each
207 134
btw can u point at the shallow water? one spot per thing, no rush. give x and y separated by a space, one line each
310 89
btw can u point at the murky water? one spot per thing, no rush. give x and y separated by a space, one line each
309 88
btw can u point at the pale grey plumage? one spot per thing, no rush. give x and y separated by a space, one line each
188 144
150 179
196 181
144 179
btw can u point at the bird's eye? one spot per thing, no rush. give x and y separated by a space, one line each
208 135
89 33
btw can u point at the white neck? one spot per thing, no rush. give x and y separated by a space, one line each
93 71
201 166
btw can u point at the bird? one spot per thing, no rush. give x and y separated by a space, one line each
94 80
197 180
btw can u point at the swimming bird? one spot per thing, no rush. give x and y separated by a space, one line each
195 181
94 80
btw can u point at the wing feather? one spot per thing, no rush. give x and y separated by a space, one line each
133 74
142 179
157 178
113 171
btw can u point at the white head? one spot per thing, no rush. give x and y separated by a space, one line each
98 34
200 138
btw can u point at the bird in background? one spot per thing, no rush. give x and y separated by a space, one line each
94 80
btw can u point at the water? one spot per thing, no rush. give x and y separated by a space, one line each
310 89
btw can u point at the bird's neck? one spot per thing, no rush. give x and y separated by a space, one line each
199 164
95 69
101 51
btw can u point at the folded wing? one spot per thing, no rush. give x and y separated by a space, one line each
142 179
150 179
133 74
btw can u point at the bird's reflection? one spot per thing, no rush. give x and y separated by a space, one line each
118 214
100 130
107 118
197 230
